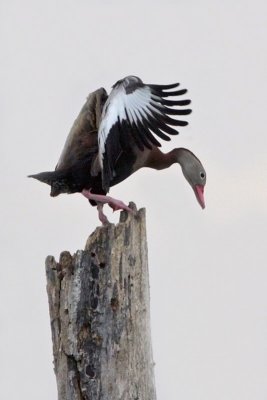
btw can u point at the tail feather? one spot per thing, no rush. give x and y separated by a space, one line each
45 177
56 179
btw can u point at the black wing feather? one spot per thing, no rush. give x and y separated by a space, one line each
164 87
155 125
161 93
171 102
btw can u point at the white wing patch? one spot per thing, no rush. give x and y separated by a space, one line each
136 104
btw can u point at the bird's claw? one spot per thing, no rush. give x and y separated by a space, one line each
119 205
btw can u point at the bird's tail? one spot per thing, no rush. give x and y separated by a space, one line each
45 177
55 179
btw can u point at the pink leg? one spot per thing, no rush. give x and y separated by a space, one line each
101 215
113 203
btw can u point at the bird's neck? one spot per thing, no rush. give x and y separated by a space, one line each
159 160
180 156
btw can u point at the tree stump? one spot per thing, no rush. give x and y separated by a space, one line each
100 315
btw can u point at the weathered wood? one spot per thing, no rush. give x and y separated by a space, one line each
100 319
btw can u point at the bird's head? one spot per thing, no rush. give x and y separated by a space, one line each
194 173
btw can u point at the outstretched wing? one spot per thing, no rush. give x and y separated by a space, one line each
137 113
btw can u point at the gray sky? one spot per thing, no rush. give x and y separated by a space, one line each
207 268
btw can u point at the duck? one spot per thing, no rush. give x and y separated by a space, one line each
115 135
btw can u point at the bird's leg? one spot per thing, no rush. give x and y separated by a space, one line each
100 198
102 217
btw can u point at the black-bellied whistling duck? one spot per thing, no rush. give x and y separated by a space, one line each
123 140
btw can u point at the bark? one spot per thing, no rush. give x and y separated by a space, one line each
100 319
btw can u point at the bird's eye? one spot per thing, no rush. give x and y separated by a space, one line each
202 175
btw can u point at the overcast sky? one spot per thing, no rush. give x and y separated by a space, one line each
207 268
